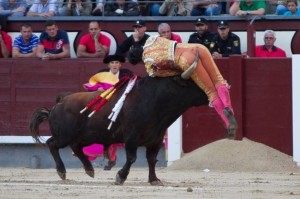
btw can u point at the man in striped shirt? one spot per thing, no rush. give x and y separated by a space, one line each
25 45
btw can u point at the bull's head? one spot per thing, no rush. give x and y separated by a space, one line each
135 55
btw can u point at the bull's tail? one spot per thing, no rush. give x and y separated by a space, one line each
38 117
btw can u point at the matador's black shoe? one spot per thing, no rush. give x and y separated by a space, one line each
232 128
110 165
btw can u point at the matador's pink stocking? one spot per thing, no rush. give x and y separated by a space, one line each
223 93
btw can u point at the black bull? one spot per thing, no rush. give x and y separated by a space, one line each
150 108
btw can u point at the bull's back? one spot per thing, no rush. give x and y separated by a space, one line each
65 120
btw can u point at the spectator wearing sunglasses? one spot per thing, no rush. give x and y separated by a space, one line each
269 49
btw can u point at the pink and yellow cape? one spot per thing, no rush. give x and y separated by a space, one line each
104 80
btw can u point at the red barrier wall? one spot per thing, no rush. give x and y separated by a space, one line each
261 95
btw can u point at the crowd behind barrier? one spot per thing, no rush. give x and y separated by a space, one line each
284 39
48 8
235 9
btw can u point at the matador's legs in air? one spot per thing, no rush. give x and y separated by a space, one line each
208 77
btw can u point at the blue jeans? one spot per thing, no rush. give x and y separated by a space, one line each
281 9
154 9
211 10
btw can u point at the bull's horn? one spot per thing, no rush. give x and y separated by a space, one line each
186 74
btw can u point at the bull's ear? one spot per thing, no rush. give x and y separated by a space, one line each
135 55
133 60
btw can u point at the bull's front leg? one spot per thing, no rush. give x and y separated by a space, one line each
131 150
151 155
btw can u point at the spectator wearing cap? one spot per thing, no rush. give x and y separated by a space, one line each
176 8
121 8
164 30
225 43
136 41
202 35
94 44
269 49
206 8
114 63
248 7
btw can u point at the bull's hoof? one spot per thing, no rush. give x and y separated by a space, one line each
90 173
232 128
62 175
157 183
119 180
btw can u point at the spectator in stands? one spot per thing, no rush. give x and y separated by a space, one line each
248 7
43 8
149 7
25 45
5 43
94 44
206 8
28 5
76 8
276 7
271 7
99 8
15 8
176 8
269 49
121 8
202 35
164 30
154 9
225 43
54 43
136 41
293 10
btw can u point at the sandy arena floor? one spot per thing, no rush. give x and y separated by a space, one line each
225 174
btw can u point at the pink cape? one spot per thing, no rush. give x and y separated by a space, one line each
97 150
98 81
98 85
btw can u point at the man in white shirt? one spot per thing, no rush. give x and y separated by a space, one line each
43 8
